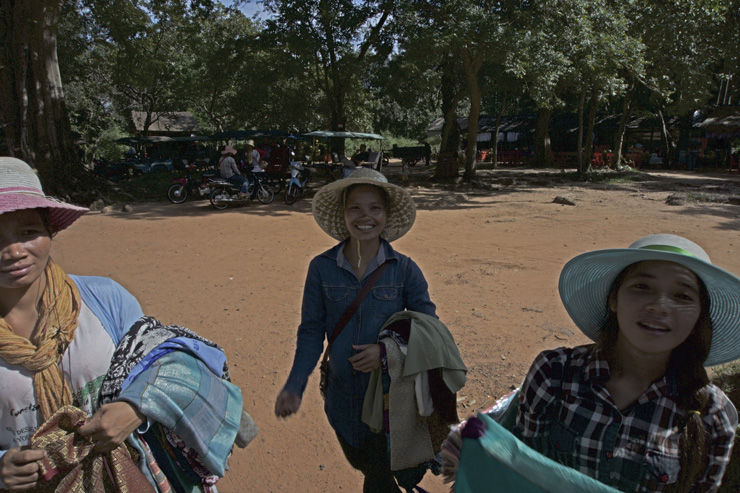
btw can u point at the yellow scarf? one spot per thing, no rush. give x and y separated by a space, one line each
60 307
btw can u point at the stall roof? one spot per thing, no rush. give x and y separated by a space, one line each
151 139
344 135
248 134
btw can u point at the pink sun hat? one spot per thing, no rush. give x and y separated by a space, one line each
20 189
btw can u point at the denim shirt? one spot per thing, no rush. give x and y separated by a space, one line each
331 286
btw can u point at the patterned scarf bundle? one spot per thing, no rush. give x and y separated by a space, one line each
60 307
72 465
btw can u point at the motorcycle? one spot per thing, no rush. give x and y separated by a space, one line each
187 185
225 193
299 176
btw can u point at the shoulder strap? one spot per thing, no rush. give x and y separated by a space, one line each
351 309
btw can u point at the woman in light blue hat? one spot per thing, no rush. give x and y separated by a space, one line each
636 410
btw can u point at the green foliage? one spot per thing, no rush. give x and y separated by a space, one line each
378 65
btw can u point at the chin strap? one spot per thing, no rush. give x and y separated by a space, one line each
359 255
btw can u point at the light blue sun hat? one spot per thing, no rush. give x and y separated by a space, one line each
586 280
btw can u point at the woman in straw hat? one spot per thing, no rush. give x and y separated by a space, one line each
636 410
65 409
229 171
365 213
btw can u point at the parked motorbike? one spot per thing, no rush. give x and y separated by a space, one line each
299 176
187 185
225 193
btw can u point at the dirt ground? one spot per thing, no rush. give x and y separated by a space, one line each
491 254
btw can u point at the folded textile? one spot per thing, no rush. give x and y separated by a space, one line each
497 461
409 441
430 346
146 335
181 393
71 464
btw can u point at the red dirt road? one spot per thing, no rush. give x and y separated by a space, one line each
491 258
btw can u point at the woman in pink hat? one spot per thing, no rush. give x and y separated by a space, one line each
65 343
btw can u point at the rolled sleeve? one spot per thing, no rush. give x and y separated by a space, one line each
311 332
417 291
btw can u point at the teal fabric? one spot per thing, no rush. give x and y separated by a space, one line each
181 393
498 462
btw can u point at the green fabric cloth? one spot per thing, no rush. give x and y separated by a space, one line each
498 462
430 346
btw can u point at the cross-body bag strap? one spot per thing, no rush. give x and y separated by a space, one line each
351 309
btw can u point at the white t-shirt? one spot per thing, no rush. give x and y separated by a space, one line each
256 168
84 365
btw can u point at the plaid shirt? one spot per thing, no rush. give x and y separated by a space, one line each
570 417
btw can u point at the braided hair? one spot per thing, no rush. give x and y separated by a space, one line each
686 363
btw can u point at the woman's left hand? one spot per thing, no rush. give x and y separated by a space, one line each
111 424
368 359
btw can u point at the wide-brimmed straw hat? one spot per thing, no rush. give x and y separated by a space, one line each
586 280
20 189
249 143
228 150
328 205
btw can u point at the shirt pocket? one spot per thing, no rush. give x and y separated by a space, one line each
337 294
562 439
386 301
662 467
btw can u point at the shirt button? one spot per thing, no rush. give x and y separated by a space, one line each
608 455
386 296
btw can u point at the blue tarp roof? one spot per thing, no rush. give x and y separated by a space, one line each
248 134
345 135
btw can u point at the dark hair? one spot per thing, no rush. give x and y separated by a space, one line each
381 191
686 365
46 219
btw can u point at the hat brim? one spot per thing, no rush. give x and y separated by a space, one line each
61 215
586 280
328 209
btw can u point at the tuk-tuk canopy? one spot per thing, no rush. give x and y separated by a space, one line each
344 135
249 134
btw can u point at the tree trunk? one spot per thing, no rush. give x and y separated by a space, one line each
446 167
593 105
667 139
34 116
581 104
619 136
500 114
542 147
472 66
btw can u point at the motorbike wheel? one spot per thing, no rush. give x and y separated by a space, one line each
177 194
291 195
219 199
265 194
277 185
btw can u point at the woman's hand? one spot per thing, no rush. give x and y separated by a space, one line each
19 468
368 359
287 403
111 424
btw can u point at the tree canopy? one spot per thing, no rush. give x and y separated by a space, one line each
376 65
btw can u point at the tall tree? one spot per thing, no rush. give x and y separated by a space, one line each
33 112
332 40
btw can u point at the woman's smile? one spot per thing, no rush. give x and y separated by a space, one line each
365 213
